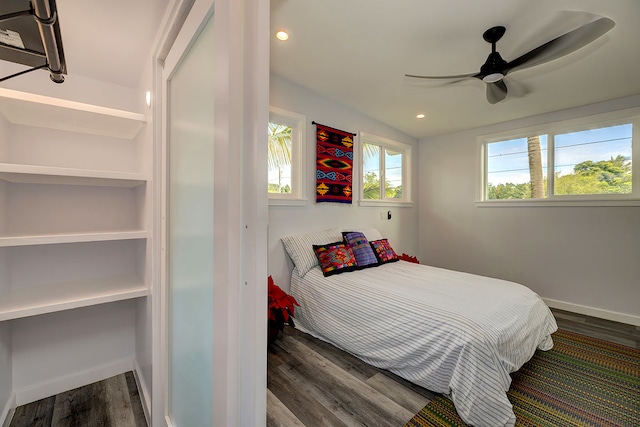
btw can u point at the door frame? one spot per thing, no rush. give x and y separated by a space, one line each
241 100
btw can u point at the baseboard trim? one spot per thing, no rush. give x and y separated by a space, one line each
594 312
8 411
75 380
142 391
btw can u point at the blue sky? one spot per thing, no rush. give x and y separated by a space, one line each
393 164
509 162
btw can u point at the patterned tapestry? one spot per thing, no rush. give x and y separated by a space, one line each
334 165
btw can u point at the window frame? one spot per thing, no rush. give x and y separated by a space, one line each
551 129
406 150
298 124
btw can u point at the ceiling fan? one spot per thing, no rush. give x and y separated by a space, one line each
495 68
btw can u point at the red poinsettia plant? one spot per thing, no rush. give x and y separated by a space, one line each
409 258
281 306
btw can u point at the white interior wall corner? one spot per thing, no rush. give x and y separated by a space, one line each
6 371
83 340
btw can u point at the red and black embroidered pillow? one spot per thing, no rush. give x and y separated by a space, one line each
384 252
335 258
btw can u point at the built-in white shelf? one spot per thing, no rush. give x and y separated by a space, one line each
30 174
56 238
30 109
32 301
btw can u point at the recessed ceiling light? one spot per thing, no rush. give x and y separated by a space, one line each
420 116
282 35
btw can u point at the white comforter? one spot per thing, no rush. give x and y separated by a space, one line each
453 333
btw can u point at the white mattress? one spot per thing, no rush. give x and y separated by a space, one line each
453 333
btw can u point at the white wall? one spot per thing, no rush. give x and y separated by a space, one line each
6 377
4 155
583 259
3 136
6 371
287 220
75 88
64 350
144 306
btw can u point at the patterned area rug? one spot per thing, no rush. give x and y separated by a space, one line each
581 382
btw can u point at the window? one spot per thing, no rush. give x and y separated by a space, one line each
385 171
515 169
588 159
286 132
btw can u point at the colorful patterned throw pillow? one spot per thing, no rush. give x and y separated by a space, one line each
384 252
300 247
361 248
335 258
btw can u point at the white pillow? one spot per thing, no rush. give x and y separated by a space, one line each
300 247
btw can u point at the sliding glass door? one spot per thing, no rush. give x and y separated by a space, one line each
190 219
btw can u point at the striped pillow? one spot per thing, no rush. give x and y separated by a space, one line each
300 247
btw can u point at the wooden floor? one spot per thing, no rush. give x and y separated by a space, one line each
311 383
619 333
114 402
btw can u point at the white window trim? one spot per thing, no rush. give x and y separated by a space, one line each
298 124
630 115
406 150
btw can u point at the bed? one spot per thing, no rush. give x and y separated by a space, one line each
453 333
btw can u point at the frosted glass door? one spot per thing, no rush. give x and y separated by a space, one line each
190 234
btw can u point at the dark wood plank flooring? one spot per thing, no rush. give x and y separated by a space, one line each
114 402
311 383
619 333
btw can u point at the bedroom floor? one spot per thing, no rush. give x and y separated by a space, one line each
113 402
311 383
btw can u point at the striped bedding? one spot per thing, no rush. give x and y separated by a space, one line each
453 333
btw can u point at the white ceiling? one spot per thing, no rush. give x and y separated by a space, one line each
109 40
357 52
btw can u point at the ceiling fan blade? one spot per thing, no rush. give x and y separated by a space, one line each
496 92
563 45
460 76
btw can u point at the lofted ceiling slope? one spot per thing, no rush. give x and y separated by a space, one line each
356 52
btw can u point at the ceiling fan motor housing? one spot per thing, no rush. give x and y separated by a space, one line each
493 65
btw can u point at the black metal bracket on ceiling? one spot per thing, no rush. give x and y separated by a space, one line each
46 18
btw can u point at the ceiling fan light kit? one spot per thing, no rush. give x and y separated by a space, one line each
493 77
495 68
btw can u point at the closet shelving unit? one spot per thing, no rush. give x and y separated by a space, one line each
69 237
